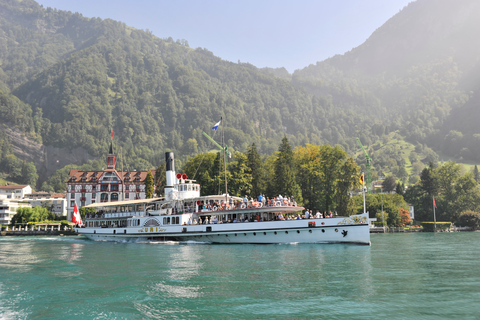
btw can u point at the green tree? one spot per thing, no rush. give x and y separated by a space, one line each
476 174
389 184
400 188
469 219
330 166
240 182
149 185
160 179
309 174
23 216
285 182
255 166
201 168
41 214
346 181
29 174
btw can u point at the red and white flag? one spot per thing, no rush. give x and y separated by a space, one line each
434 203
76 218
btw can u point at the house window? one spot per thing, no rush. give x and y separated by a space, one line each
127 195
104 197
72 203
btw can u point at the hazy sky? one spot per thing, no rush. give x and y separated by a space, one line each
265 33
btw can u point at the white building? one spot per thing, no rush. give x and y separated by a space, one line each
9 206
15 191
57 201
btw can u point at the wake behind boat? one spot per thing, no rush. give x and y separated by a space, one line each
184 215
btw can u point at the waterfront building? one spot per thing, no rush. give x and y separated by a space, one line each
9 206
110 185
15 191
56 201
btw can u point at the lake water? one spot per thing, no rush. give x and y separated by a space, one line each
401 276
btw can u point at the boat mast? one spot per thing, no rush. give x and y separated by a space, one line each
224 162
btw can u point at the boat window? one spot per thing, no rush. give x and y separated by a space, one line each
189 188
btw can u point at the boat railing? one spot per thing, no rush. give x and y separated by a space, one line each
116 215
247 205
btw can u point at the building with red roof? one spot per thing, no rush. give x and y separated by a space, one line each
86 187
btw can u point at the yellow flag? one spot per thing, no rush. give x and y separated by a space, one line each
361 179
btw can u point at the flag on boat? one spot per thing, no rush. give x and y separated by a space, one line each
76 218
215 127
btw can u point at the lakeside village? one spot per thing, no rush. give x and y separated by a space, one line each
55 211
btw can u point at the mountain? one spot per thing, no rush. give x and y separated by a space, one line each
67 80
73 79
414 73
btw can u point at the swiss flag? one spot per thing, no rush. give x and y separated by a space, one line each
76 218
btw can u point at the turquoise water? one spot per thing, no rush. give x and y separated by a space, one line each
401 276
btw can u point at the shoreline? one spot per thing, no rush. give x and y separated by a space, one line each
38 233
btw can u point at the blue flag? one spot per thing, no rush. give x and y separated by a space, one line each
215 127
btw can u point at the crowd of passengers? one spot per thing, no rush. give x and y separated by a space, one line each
256 218
246 203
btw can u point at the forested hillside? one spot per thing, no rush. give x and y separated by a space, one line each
418 74
66 81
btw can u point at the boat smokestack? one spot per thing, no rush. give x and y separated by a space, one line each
170 175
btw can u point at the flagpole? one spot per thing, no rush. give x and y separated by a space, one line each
434 216
363 190
224 163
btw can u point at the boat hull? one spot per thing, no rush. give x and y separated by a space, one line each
352 229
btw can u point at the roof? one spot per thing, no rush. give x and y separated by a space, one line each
95 176
14 186
122 203
44 194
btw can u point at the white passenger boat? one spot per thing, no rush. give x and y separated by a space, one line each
184 215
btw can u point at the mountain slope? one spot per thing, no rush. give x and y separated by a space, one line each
411 73
156 94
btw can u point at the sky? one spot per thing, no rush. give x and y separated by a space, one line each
266 33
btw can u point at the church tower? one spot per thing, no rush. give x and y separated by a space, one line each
111 158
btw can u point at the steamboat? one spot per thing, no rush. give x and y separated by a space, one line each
184 215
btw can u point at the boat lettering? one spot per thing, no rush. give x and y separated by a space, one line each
152 229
